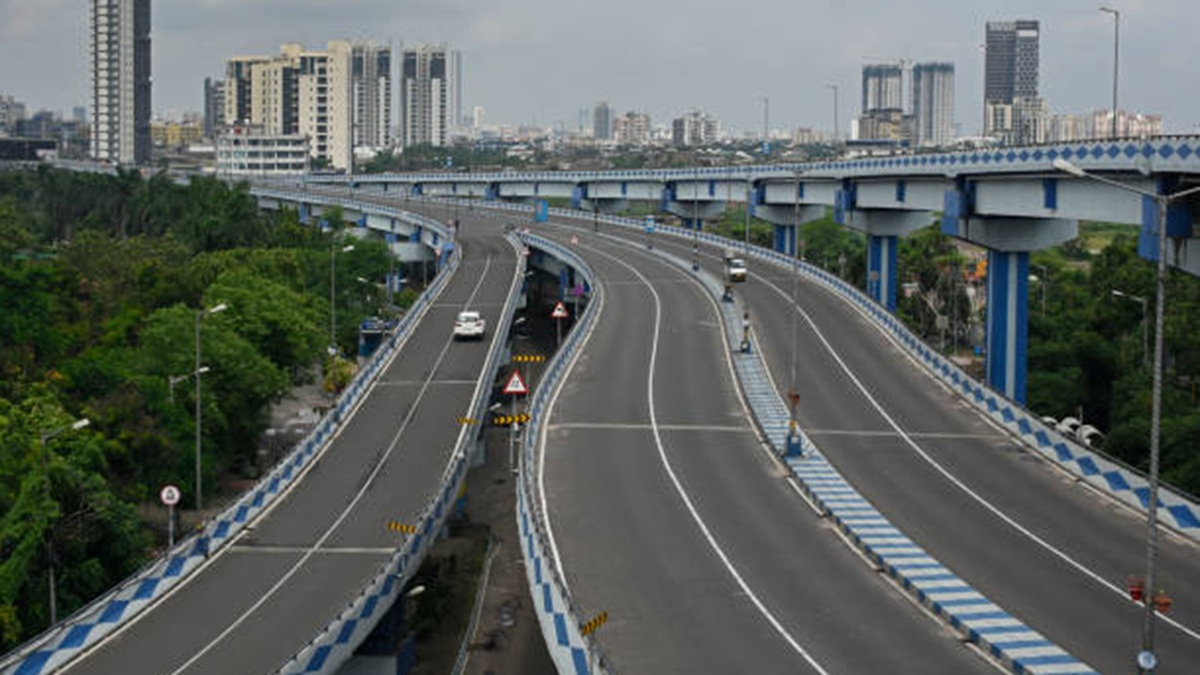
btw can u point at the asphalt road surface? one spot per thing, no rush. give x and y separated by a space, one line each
264 597
669 515
1045 547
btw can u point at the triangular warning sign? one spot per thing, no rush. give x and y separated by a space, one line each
560 311
515 384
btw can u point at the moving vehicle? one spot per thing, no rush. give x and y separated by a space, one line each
735 269
469 326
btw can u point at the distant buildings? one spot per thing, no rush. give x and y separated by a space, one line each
11 111
120 61
424 96
933 104
886 117
632 129
602 122
339 98
214 106
1013 110
248 150
695 128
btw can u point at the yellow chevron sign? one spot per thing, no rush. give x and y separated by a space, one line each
467 420
402 528
528 358
506 420
590 627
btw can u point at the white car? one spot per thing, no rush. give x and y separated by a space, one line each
469 326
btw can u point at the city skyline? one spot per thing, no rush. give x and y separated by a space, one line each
705 60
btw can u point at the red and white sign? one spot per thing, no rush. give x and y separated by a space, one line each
515 384
560 311
169 495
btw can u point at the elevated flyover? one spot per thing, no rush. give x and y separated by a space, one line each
296 573
979 491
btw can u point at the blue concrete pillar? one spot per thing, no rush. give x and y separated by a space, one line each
785 239
881 270
692 224
416 235
1007 322
303 212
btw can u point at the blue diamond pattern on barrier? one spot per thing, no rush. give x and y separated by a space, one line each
1097 152
975 158
1024 156
1052 154
1067 154
1088 466
1037 155
1064 452
1166 151
987 158
1113 151
1012 156
1147 151
1130 150
997 156
1116 481
1184 516
1185 151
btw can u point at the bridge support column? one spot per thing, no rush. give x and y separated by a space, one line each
884 229
785 219
1009 242
1007 322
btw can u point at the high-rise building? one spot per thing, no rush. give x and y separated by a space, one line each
371 85
237 87
1010 75
602 121
300 92
120 60
933 104
214 106
695 128
424 96
882 88
10 114
632 129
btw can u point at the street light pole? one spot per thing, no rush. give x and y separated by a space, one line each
51 581
836 134
1116 14
198 372
333 250
1145 322
696 221
1146 660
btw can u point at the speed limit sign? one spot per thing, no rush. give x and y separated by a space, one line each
169 495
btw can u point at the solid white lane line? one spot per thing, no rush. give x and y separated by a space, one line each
686 499
954 480
329 532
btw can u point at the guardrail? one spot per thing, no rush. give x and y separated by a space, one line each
88 625
336 643
571 651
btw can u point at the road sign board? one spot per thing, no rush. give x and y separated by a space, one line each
515 384
560 311
169 495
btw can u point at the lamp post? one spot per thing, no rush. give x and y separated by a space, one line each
836 134
1145 324
696 221
1146 660
333 251
198 371
51 582
749 196
1116 14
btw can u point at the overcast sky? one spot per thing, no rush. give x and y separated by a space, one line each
540 61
